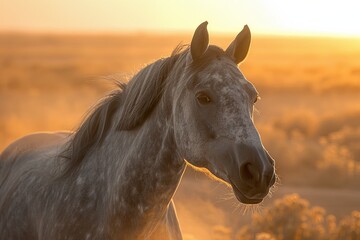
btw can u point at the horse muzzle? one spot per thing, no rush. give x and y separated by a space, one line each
254 175
249 169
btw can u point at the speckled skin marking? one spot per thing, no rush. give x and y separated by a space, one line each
122 186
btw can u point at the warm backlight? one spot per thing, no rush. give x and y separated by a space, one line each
284 17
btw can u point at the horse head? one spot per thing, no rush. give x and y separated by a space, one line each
213 117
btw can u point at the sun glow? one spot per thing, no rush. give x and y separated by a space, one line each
320 17
284 17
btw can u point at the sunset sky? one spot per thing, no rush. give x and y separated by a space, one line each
284 17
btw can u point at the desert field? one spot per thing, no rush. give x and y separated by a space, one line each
308 118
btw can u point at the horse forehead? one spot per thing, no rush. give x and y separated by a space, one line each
226 78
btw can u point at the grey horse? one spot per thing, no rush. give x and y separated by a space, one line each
114 178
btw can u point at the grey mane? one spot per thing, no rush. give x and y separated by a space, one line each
137 99
93 130
145 90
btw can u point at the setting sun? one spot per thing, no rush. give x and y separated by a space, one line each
319 17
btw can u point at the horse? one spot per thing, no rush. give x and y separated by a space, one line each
116 175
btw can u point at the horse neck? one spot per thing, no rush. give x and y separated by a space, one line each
140 169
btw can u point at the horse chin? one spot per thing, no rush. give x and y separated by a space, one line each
242 198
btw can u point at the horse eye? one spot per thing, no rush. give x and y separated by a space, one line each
256 99
203 98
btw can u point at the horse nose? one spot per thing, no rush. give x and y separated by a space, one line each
257 171
256 177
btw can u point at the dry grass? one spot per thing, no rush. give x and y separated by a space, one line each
308 116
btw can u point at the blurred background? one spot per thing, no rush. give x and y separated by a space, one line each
56 56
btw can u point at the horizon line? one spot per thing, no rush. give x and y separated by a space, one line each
170 33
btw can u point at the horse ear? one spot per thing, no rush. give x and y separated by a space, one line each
200 41
239 48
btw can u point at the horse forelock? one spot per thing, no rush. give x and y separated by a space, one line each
213 52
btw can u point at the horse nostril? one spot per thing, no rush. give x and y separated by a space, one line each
249 173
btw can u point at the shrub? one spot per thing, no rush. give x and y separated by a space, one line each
292 218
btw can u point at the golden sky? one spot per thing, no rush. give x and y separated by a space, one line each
285 17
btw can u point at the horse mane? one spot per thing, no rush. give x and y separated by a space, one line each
92 130
137 99
145 89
